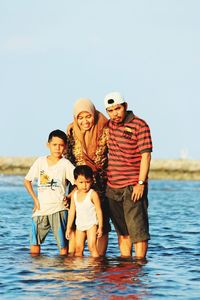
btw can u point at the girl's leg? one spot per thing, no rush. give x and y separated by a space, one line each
80 242
92 241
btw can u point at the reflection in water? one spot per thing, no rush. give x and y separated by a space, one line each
112 277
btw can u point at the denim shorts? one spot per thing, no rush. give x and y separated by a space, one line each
41 225
128 217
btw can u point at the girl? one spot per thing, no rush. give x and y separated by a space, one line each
85 204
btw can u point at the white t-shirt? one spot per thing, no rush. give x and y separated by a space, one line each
51 184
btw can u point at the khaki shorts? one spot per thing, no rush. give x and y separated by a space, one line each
41 225
128 217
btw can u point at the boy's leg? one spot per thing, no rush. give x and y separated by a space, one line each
92 241
80 242
39 231
35 249
58 222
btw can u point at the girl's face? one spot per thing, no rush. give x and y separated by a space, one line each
85 120
83 184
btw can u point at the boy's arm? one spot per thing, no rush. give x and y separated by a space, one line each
29 187
71 216
97 204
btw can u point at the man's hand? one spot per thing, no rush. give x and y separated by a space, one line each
138 191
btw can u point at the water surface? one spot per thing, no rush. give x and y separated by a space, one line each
172 269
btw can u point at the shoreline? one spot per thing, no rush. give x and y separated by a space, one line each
179 169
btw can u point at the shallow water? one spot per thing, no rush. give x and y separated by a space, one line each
172 269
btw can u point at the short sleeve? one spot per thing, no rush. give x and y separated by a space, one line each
144 139
33 171
70 171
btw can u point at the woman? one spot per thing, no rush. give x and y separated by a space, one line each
88 137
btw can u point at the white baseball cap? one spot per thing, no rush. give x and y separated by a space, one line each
113 99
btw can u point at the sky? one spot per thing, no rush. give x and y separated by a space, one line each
54 52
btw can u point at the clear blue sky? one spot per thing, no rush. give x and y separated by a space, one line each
53 52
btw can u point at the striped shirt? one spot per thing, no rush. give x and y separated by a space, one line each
127 141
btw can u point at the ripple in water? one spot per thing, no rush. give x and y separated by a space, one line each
172 269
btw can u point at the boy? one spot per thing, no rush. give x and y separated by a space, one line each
85 204
49 211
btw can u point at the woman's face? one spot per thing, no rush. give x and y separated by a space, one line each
85 120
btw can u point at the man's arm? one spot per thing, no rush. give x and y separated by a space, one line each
138 189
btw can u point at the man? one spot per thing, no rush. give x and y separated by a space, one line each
130 148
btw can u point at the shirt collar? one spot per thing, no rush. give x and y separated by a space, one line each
129 116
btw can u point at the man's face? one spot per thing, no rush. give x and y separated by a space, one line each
117 112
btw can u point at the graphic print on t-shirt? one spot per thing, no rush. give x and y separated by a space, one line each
46 181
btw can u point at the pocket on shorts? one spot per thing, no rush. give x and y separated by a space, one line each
115 194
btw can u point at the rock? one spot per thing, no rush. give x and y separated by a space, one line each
160 168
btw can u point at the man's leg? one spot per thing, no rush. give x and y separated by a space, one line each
136 216
125 245
141 249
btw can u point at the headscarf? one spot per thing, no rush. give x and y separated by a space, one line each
88 138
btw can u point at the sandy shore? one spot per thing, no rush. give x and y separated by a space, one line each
160 169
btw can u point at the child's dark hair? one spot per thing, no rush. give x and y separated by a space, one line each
84 170
58 133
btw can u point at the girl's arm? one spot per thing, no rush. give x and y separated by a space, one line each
29 187
70 220
97 204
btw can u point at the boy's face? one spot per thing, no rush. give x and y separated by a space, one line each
117 112
83 184
56 147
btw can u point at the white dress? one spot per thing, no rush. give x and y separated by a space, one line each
86 215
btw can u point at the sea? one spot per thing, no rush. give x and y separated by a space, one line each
170 271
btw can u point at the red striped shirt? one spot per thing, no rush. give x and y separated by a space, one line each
127 141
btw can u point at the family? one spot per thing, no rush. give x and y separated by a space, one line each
105 163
